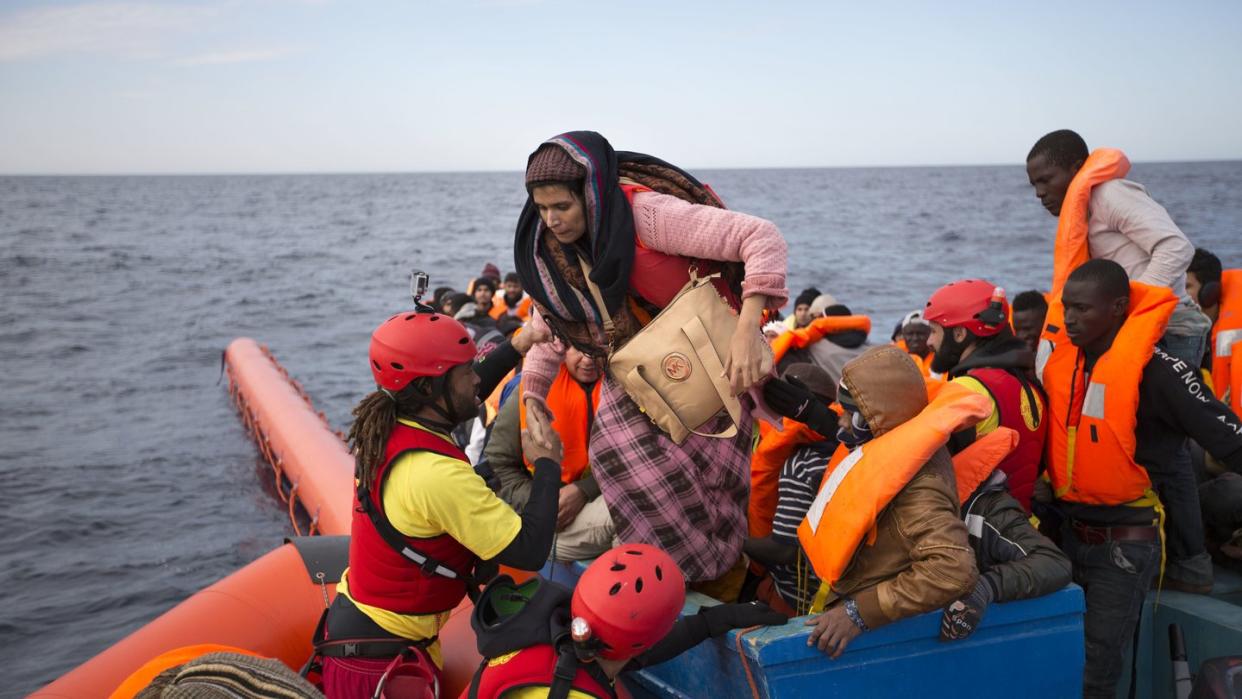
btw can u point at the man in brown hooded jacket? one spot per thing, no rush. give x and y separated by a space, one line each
921 559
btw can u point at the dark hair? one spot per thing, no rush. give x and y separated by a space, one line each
1030 301
837 309
456 301
1206 266
1108 276
437 297
513 277
374 417
485 281
1063 148
507 325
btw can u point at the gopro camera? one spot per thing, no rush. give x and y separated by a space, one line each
418 285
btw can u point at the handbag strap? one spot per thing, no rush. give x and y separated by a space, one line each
609 327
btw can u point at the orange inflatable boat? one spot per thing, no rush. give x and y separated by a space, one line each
271 606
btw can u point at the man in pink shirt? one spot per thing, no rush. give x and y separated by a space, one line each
1127 226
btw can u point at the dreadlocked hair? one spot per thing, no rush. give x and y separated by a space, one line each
374 417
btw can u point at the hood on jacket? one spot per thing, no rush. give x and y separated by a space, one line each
887 386
1007 353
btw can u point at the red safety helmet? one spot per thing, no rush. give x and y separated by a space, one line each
412 345
974 304
628 599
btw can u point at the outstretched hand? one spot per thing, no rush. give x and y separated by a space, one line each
539 440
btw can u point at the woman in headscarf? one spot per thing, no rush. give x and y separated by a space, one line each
688 499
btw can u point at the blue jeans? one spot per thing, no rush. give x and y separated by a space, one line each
1189 561
1115 577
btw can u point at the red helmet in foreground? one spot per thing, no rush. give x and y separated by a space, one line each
974 304
628 599
413 345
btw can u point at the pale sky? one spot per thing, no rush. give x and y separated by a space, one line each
334 86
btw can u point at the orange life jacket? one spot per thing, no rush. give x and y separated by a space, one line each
973 465
1072 248
923 363
802 338
775 448
1090 445
572 416
1227 341
855 492
501 307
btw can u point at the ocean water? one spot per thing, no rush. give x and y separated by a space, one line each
126 479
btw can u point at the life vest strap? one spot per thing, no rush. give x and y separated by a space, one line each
428 565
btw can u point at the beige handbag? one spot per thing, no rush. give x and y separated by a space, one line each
673 368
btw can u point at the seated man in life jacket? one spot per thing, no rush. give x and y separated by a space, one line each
1029 309
513 302
539 640
973 346
1119 409
787 469
584 527
914 555
1219 293
915 332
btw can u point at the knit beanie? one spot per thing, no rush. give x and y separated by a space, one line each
820 303
807 297
552 164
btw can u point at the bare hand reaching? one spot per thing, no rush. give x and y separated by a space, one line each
539 440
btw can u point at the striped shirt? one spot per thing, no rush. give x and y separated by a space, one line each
799 482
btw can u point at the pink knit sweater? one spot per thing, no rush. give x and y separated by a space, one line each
670 225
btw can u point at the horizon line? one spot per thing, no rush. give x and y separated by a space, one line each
287 173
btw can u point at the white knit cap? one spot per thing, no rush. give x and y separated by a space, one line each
820 303
914 318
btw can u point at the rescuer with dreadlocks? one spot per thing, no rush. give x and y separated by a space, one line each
423 518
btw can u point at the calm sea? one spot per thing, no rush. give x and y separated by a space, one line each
126 479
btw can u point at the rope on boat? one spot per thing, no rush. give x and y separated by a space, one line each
286 489
741 655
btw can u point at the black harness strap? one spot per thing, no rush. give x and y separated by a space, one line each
428 565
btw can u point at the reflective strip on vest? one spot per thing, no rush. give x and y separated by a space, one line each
816 513
1225 340
974 525
1093 402
1041 357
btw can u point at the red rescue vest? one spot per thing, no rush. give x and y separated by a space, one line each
381 577
1022 465
532 667
656 277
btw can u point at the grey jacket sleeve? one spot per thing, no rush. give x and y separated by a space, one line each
504 454
1018 561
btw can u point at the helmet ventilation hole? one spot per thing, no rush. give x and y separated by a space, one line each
616 587
412 316
659 573
634 553
434 316
377 365
638 585
397 366
617 567
463 341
